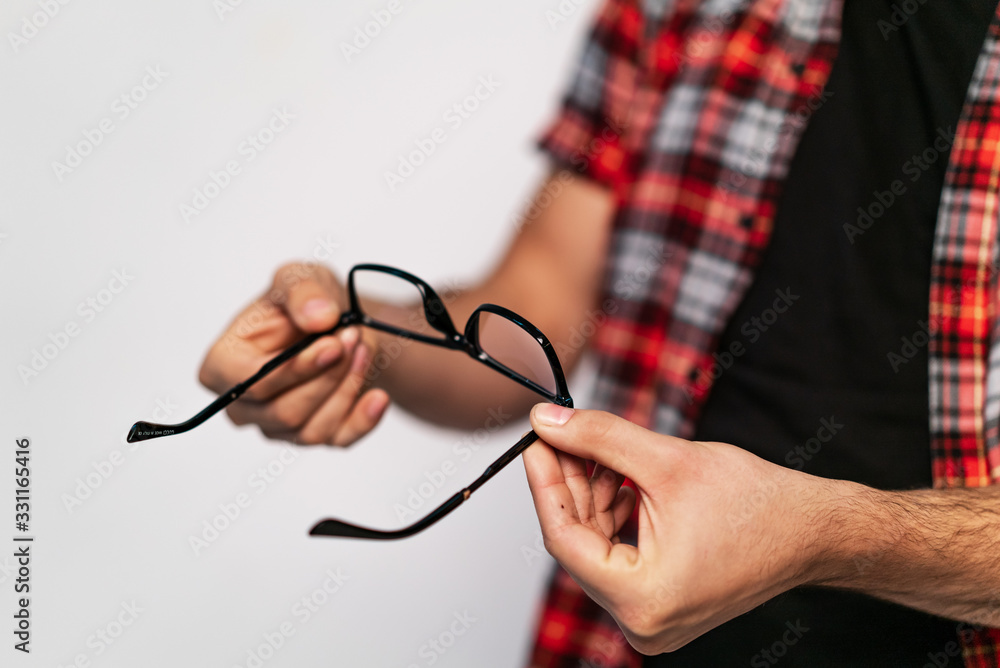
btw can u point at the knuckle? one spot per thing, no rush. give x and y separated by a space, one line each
343 438
311 436
600 427
259 391
680 458
236 415
287 415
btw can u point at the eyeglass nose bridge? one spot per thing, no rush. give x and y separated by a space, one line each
437 313
435 310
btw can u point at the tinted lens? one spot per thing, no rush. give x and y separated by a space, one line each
393 301
511 346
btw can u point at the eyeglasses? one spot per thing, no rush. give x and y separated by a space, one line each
494 336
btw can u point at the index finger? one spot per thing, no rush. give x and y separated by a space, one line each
567 538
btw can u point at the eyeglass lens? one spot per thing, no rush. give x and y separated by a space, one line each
401 301
516 349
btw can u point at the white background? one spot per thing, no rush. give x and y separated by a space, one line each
318 186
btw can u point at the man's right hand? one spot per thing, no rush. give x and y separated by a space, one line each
319 396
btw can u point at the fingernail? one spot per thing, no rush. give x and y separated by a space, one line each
349 338
329 355
553 415
315 309
376 408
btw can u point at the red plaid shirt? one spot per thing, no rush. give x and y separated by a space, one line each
691 111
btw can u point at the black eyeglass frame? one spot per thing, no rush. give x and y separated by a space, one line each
437 317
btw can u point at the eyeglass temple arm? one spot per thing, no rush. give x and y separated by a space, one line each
333 527
144 431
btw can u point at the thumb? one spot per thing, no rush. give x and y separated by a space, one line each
309 294
607 439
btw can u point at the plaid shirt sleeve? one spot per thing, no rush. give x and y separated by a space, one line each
589 132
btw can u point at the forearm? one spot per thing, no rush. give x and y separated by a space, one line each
550 275
934 550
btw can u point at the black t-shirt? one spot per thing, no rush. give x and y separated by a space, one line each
818 387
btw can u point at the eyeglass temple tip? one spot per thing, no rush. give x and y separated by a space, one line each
336 528
143 431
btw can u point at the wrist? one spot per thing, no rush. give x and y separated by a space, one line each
852 534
